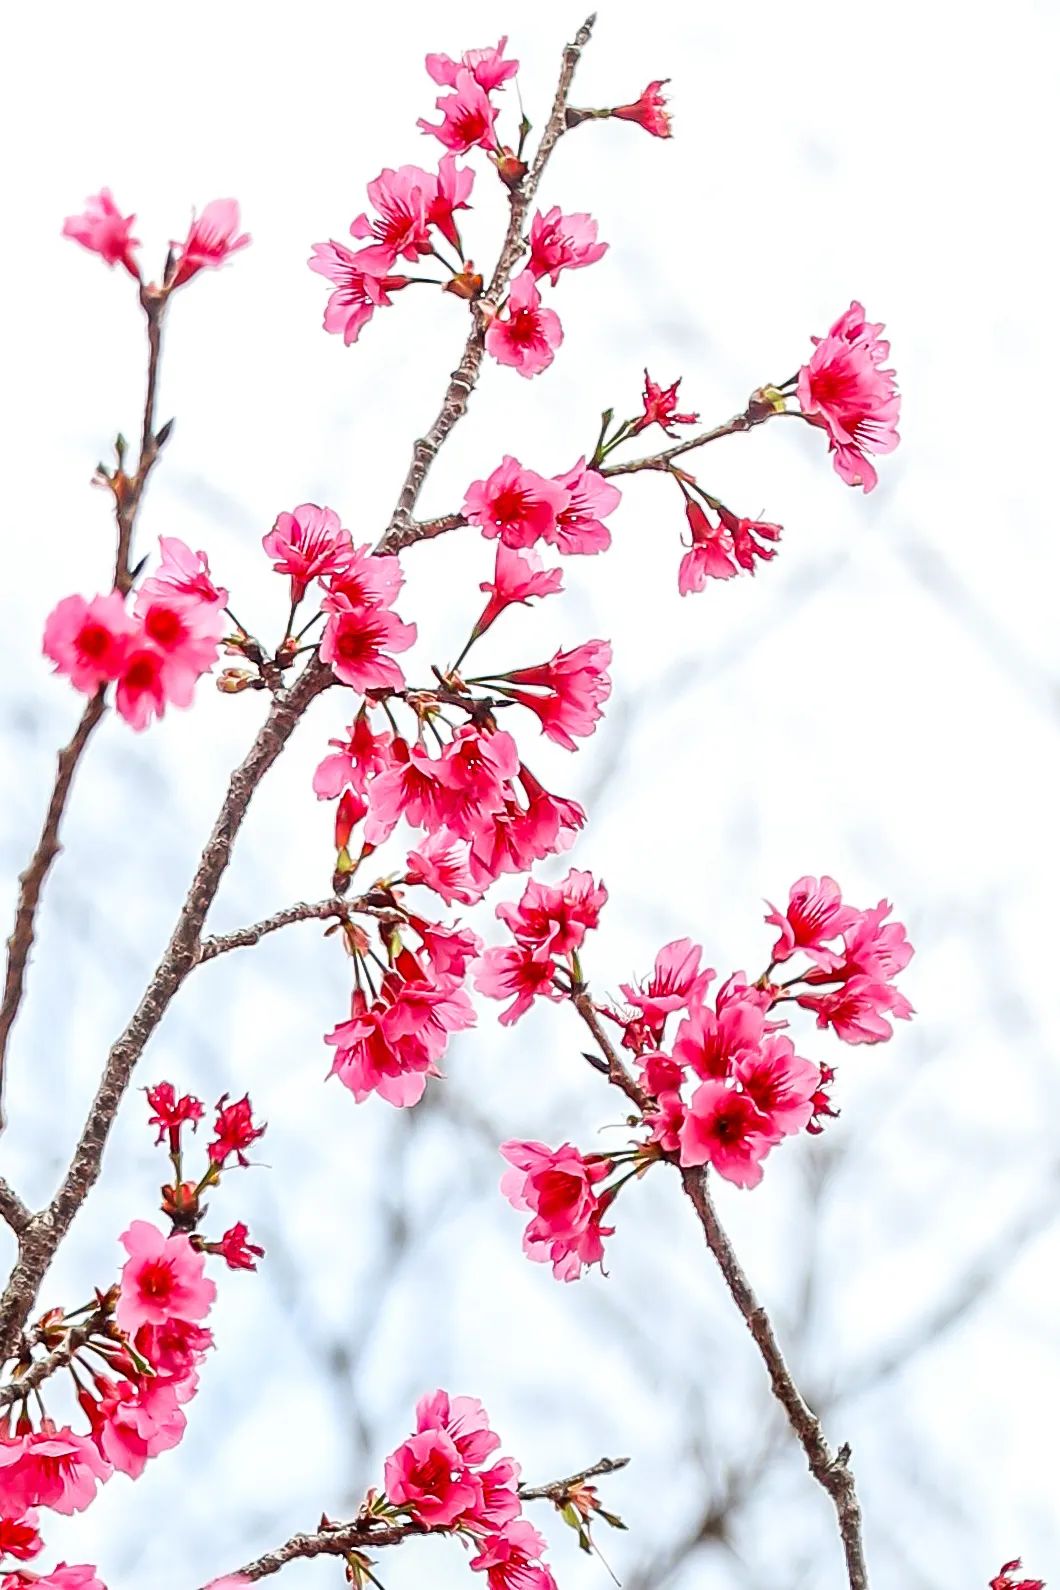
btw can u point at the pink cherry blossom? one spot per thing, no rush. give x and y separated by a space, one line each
1005 1581
467 116
186 635
358 293
64 1576
162 1279
213 238
367 581
234 1130
579 527
573 685
171 1112
19 1536
89 641
519 971
711 553
463 1419
357 641
236 1251
710 1042
648 110
488 67
815 914
558 1187
402 198
515 504
660 408
452 189
103 229
391 1047
750 538
675 984
779 1083
355 761
724 1129
872 946
132 1423
175 1349
858 1010
561 242
523 334
141 692
667 1120
511 1559
428 1477
517 577
185 574
50 1467
843 390
307 544
555 919
441 863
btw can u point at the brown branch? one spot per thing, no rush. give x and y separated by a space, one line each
12 1209
830 1469
46 1230
663 460
335 1540
41 1369
32 880
402 530
319 911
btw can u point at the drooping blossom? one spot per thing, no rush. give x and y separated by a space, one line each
357 293
89 641
750 539
723 1128
567 693
523 334
185 574
516 504
355 760
558 1186
50 1467
236 1251
579 526
660 408
162 1279
170 1113
442 863
857 1011
132 1422
711 553
19 1535
451 191
391 1046
103 229
488 67
511 1559
843 389
213 237
467 116
234 1131
174 1348
555 919
517 835
676 983
815 915
357 643
561 242
517 577
400 230
307 544
648 110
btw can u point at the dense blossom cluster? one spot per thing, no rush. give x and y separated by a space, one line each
725 1086
134 1352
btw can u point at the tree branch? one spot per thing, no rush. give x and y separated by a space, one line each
12 1209
319 911
663 460
402 530
46 1230
335 1540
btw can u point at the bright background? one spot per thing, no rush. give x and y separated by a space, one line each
881 704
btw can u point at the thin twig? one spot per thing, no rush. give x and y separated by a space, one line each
663 460
335 1540
402 531
32 880
830 1469
46 1230
12 1209
301 911
41 1369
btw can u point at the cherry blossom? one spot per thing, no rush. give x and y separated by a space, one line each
488 67
579 527
517 577
467 116
815 915
357 294
516 504
843 389
523 334
162 1279
103 229
307 544
212 239
558 1187
660 408
561 242
89 641
648 110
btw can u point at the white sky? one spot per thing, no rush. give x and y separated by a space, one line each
881 703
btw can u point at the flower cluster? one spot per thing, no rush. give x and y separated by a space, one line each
212 238
415 221
438 1478
519 507
727 1085
152 652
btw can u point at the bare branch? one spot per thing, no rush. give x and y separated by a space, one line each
663 460
319 911
558 1491
402 530
12 1209
46 1230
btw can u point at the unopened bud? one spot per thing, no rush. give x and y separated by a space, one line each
230 681
468 284
510 168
